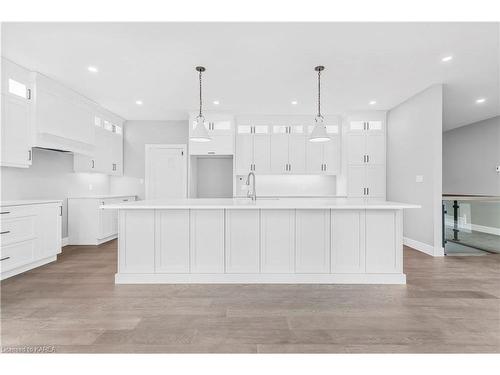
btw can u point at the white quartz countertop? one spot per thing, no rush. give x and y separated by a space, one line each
102 196
263 203
25 202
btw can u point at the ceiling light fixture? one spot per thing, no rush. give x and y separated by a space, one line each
200 132
447 58
216 102
373 102
319 133
480 100
138 102
92 69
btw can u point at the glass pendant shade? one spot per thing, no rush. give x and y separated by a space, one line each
200 132
319 133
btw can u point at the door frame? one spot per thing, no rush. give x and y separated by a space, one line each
173 146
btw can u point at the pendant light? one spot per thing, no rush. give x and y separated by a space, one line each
200 132
319 133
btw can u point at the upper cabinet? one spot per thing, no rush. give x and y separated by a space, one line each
16 131
220 127
62 118
253 149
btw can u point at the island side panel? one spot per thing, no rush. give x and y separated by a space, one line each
277 241
383 251
348 241
242 241
312 241
172 241
207 241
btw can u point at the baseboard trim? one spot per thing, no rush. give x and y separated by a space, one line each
27 267
65 241
420 246
221 278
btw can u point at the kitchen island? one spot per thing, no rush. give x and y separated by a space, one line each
238 240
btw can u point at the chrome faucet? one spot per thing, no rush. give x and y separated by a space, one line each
252 195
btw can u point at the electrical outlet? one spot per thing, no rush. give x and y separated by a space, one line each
419 178
498 168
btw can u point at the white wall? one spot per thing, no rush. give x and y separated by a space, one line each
51 177
414 147
470 156
136 135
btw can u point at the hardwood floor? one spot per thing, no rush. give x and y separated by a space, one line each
450 304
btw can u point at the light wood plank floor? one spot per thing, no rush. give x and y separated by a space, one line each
449 305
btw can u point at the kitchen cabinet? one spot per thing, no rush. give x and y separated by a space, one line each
207 241
366 160
16 132
277 241
220 128
288 149
88 223
312 241
323 157
347 241
30 235
242 241
62 118
172 241
253 149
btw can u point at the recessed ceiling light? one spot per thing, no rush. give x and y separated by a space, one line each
447 58
294 102
480 100
138 102
92 69
372 102
216 102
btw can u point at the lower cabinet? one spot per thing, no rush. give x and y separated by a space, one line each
384 242
312 241
242 241
172 241
348 241
207 241
277 241
30 236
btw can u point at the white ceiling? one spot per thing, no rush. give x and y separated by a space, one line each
259 68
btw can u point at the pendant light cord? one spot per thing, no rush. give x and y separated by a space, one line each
319 93
200 95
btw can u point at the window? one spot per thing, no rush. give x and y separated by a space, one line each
17 88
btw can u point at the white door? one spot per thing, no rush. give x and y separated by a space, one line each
375 181
262 153
331 155
166 171
314 157
244 153
375 148
297 153
356 181
279 153
356 148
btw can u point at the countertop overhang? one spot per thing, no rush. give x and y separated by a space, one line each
263 203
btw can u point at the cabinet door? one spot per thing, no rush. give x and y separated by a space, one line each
49 222
348 241
356 148
314 157
375 148
297 153
106 220
375 126
356 126
16 132
382 254
279 153
244 153
277 241
262 153
207 241
116 155
221 127
242 241
312 241
356 181
375 181
331 155
137 241
172 241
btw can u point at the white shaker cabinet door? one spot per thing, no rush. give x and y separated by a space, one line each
375 181
356 181
277 241
297 154
172 241
375 148
314 157
347 241
356 148
383 242
244 153
207 241
312 241
279 153
16 132
262 153
242 241
332 155
50 230
137 241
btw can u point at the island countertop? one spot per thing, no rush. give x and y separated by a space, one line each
263 203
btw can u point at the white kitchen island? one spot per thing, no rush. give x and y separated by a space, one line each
265 241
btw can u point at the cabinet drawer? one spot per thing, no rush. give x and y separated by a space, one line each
17 229
17 255
10 212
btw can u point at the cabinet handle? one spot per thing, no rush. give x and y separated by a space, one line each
364 158
4 212
5 232
367 191
368 126
4 258
364 191
211 152
326 166
93 163
28 94
60 210
29 155
367 158
290 167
